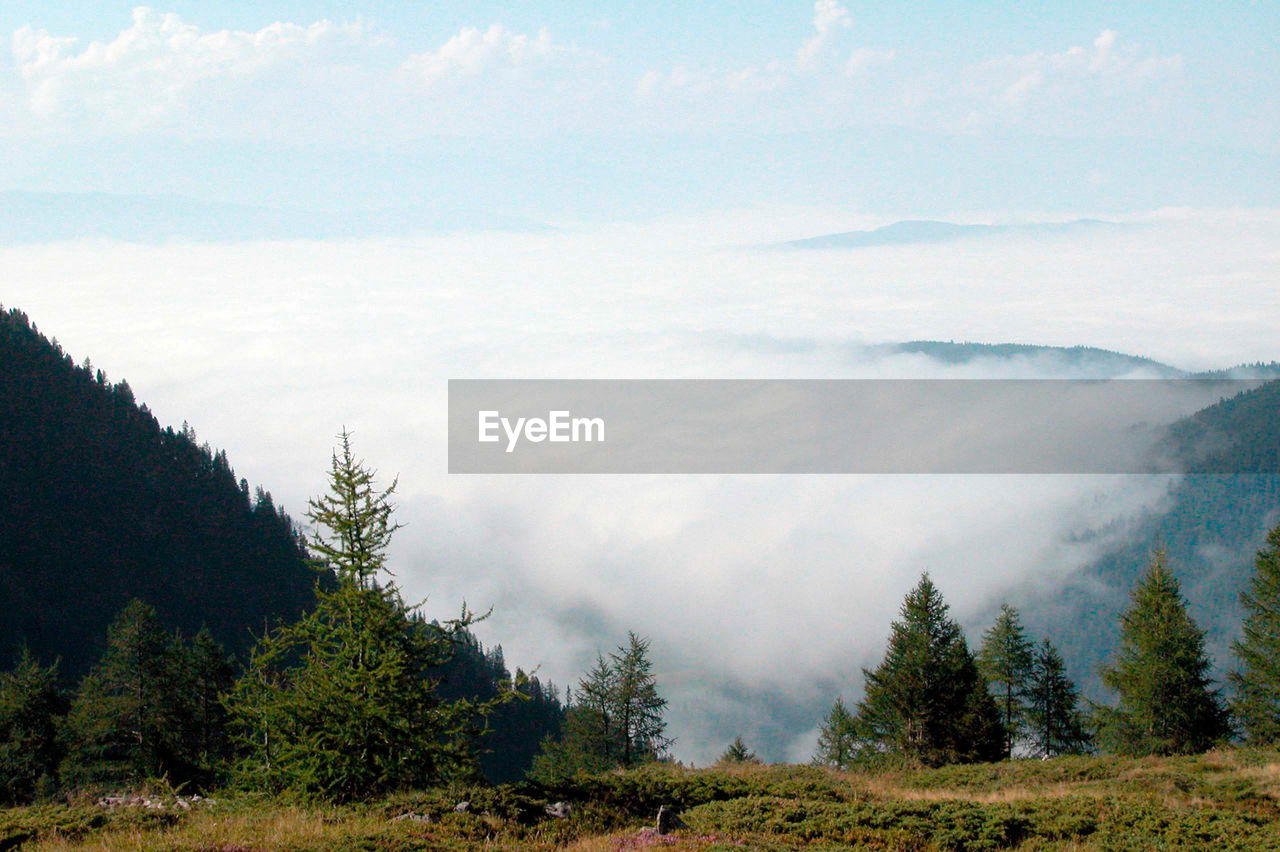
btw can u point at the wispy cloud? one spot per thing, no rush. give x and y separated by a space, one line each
153 66
473 52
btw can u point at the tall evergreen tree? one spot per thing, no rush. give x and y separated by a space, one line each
1256 683
1161 672
926 701
1055 724
614 720
1005 661
209 675
126 722
638 707
341 703
30 705
838 738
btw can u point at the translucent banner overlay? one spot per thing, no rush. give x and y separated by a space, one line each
1217 426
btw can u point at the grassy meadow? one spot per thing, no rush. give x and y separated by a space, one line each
1225 799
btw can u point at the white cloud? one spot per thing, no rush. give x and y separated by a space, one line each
264 354
1109 66
829 17
473 52
818 60
151 68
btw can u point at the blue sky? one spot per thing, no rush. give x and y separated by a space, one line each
555 111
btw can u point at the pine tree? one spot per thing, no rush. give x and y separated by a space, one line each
1005 661
838 739
1256 683
1055 724
926 701
737 752
1161 672
341 703
30 706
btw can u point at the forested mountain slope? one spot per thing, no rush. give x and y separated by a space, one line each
99 504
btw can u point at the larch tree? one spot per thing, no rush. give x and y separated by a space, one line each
341 702
638 707
1256 683
838 737
1167 703
1005 660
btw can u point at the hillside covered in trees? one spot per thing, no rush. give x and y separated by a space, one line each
100 504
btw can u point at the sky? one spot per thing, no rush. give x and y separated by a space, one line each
633 162
571 112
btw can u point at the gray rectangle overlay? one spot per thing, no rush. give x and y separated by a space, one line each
860 426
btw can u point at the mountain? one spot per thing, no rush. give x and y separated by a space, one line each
99 504
926 231
1100 363
39 217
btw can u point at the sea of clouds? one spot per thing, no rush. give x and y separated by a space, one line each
763 595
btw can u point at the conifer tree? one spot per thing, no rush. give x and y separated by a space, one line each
209 674
1055 724
926 701
341 702
637 705
1256 683
30 705
1005 661
1161 672
838 739
737 752
127 716
614 720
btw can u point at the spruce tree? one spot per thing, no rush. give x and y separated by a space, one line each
1005 661
926 701
1256 683
30 706
341 703
209 675
1167 703
127 717
737 752
838 739
1055 724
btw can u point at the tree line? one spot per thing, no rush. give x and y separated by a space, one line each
349 701
933 701
353 699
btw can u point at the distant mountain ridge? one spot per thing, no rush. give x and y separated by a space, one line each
929 231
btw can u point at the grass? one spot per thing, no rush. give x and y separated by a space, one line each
1223 800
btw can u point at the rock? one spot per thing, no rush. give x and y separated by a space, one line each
559 810
412 817
461 807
